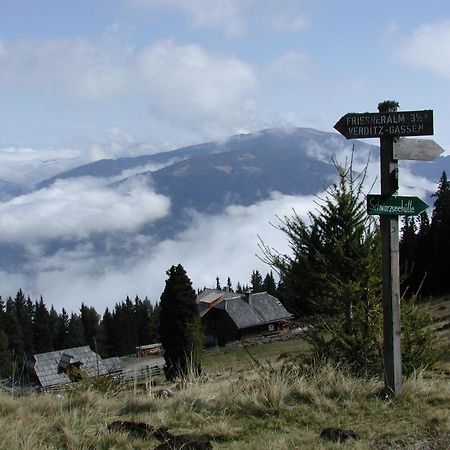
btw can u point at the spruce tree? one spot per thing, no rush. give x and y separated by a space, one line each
329 252
229 285
62 330
179 325
440 238
408 257
334 268
91 326
13 329
75 332
256 281
269 284
41 327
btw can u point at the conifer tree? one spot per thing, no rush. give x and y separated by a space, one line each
335 269
41 327
179 324
6 366
62 330
408 249
229 285
256 281
75 332
269 284
5 354
108 333
13 328
91 326
330 251
54 323
440 238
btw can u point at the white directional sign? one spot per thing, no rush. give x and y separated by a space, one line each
416 149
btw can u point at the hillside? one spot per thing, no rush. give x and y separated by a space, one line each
263 401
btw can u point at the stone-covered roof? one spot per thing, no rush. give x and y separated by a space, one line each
250 310
113 364
46 366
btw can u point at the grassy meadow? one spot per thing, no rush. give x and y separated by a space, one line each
246 402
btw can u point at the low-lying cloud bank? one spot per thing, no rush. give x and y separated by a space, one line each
77 208
131 261
223 245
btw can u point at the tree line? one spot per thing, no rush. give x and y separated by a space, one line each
28 327
257 284
425 246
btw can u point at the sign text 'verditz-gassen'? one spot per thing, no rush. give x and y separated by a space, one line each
394 124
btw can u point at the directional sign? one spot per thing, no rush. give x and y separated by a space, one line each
390 205
416 149
387 124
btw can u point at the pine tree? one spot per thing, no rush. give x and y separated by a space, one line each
62 330
256 281
108 333
329 252
179 324
91 326
13 328
25 314
5 354
408 248
41 328
75 332
6 366
335 268
143 311
269 284
440 238
229 285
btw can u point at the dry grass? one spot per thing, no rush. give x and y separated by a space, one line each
262 408
239 405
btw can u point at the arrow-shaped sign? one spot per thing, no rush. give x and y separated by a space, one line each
386 124
390 205
416 149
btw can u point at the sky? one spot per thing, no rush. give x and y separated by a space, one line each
85 80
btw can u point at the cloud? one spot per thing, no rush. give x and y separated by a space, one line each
226 15
78 208
134 264
190 86
289 21
428 48
233 17
86 69
183 85
206 249
27 166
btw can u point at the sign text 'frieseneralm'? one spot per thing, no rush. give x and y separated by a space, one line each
389 124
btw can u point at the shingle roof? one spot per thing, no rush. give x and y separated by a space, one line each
113 364
260 308
45 365
208 297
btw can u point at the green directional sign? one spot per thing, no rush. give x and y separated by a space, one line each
392 205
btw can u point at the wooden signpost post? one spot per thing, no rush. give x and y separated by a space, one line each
389 125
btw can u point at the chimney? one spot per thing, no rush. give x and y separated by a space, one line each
247 296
